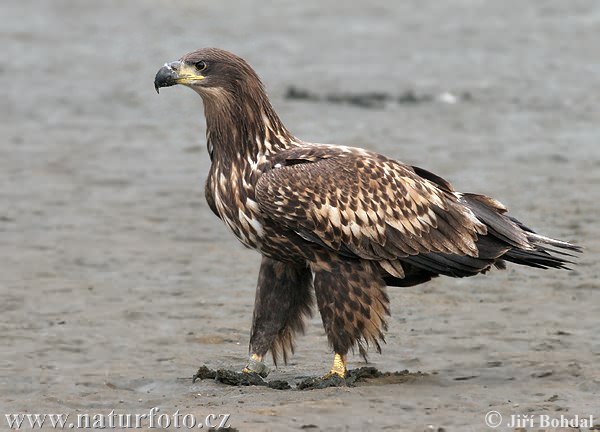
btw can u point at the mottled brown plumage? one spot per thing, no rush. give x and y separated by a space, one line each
342 221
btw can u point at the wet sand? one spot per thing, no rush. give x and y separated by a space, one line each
117 281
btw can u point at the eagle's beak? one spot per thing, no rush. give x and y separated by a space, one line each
175 72
167 75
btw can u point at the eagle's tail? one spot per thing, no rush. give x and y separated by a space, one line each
507 239
525 246
546 253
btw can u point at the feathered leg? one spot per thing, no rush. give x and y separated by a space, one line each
353 302
283 300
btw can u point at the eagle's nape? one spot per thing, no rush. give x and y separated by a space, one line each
342 222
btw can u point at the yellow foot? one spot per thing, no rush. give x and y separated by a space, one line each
256 365
339 366
335 378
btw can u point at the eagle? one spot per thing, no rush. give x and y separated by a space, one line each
335 223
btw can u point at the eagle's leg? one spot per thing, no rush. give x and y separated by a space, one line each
283 299
339 365
256 365
353 304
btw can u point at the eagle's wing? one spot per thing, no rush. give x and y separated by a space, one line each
363 204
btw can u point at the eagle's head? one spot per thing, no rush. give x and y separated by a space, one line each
211 72
236 106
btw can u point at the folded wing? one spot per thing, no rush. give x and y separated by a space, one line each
363 204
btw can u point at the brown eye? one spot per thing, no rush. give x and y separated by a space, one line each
200 65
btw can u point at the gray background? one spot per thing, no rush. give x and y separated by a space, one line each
117 281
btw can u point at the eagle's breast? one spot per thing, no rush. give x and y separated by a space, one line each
232 188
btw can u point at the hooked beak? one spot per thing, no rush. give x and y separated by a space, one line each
166 75
175 72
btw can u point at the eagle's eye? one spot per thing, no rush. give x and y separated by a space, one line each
200 65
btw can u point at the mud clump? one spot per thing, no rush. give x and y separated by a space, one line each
366 374
233 378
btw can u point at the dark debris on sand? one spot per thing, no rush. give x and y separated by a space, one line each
354 376
372 100
238 378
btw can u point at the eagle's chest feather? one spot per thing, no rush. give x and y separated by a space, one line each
233 192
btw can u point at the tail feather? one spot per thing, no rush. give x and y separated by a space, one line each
537 259
526 246
540 239
507 239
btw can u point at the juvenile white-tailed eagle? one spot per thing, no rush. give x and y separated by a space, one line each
342 221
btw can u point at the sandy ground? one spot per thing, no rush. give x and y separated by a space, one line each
117 282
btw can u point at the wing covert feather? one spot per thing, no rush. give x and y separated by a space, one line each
358 201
